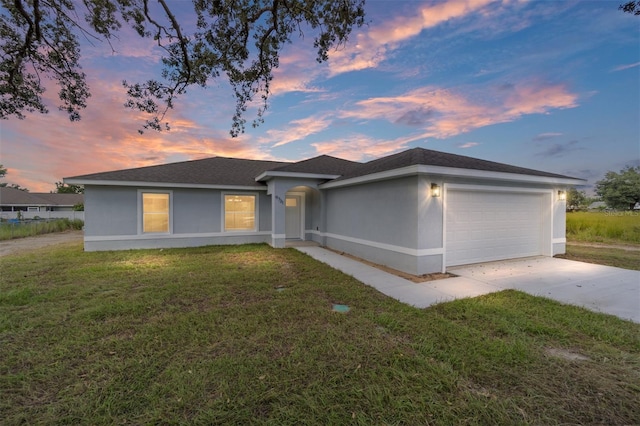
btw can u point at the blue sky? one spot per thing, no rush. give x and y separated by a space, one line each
549 85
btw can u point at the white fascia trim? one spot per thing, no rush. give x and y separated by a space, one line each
163 185
490 188
558 240
389 174
97 238
452 171
383 246
271 174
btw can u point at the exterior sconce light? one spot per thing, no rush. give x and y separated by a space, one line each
562 195
435 190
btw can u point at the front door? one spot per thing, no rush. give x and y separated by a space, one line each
293 216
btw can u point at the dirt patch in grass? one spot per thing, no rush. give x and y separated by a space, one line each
625 247
21 245
414 278
566 354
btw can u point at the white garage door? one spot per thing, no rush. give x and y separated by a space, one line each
485 226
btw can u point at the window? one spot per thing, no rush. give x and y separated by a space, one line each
291 202
155 212
239 212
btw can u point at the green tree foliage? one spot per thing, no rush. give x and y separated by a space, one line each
632 7
16 186
3 173
577 200
240 39
63 188
620 190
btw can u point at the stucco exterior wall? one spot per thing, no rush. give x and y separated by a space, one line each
112 219
382 212
559 224
110 210
394 222
381 222
196 211
399 224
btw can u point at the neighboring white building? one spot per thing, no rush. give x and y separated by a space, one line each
12 200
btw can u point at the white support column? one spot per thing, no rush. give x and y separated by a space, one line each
278 194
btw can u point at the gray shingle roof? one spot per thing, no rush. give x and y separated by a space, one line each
324 164
212 171
16 197
427 157
240 172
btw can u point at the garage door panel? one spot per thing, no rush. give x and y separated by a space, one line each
482 226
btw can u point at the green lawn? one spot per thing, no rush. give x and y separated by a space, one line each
627 259
203 336
605 227
10 231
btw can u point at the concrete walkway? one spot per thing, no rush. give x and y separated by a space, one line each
600 288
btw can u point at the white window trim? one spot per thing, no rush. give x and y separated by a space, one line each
141 215
256 222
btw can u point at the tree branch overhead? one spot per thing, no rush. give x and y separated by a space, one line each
238 39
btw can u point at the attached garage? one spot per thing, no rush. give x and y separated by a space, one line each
487 224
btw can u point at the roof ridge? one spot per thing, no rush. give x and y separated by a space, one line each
430 157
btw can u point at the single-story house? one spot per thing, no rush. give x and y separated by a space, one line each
418 211
13 200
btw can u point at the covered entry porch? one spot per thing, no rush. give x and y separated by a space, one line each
297 210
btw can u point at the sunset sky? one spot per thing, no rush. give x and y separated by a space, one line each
549 85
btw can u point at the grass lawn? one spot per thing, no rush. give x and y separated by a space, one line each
628 259
604 227
10 231
203 336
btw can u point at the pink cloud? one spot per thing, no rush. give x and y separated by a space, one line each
442 113
468 145
296 73
537 99
371 47
360 147
45 148
297 130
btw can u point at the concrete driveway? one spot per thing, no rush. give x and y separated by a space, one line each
600 288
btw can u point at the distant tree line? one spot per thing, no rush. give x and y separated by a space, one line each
620 191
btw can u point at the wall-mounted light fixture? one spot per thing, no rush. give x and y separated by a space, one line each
562 195
435 190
